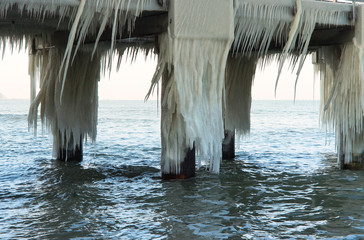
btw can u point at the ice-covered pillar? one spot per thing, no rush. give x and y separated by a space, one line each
180 166
354 145
68 97
240 72
76 104
342 95
192 58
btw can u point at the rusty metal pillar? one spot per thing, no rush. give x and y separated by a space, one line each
70 151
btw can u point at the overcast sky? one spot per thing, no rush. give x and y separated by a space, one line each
133 80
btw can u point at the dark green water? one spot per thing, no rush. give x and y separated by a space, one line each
284 183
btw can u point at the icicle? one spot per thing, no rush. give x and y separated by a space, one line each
66 58
86 17
291 39
259 25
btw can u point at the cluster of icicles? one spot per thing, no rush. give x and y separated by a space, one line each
205 88
67 70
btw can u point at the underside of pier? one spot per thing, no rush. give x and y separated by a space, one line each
208 52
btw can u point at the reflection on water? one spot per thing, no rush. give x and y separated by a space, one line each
284 183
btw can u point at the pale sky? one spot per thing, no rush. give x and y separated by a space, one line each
133 80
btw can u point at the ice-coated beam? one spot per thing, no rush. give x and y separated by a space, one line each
344 19
151 5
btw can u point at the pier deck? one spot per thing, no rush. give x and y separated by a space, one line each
154 20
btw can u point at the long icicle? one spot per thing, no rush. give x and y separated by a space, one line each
291 40
71 40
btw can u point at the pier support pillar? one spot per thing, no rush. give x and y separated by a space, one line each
342 94
68 98
228 145
240 72
351 144
178 159
192 60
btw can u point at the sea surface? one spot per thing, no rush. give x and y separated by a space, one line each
283 184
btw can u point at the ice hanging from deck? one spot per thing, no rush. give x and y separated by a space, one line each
342 95
72 115
69 74
82 18
240 72
266 24
259 26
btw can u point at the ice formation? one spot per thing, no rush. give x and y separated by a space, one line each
192 100
82 18
71 114
341 96
193 69
342 106
259 26
195 95
240 71
264 24
69 72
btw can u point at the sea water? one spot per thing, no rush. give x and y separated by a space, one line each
283 183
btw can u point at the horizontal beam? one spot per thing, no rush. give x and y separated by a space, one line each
150 23
30 24
334 36
145 27
151 5
155 21
345 9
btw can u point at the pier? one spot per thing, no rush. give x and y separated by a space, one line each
208 52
